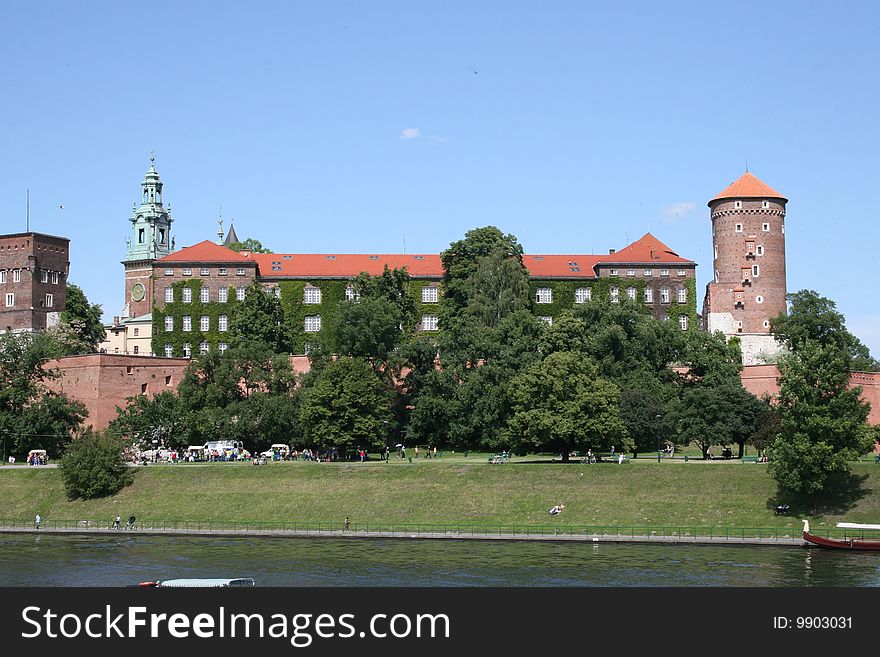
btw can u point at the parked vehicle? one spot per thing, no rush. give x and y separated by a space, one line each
37 457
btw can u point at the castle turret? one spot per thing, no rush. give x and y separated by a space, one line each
150 240
748 289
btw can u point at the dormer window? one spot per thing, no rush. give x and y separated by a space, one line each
737 205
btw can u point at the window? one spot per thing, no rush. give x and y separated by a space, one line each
222 347
681 272
737 205
766 324
204 271
615 292
203 348
204 295
682 295
683 322
716 253
222 294
544 295
312 323
664 272
239 294
223 323
759 250
630 272
648 272
277 292
631 293
429 322
187 350
187 323
169 294
739 326
739 228
614 272
2 276
546 319
169 351
44 276
239 272
204 323
765 228
169 272
187 295
169 323
136 351
649 295
136 331
765 204
221 271
756 270
10 299
16 275
583 294
664 295
50 301
353 295
429 294
187 272
55 278
312 295
759 299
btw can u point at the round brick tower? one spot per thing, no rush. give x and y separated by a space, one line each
748 289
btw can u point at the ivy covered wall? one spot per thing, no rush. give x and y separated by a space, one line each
196 309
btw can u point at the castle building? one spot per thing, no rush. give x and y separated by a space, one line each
33 281
748 289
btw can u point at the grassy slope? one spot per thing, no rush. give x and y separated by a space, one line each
722 494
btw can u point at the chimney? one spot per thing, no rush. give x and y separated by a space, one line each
116 320
611 251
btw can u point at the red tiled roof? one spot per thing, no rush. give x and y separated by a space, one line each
345 265
206 251
555 266
647 249
748 186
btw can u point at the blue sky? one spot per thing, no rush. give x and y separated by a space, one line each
363 126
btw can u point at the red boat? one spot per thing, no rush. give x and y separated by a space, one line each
849 543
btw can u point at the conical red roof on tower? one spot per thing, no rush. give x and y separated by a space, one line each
748 186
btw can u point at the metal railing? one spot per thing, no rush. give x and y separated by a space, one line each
682 532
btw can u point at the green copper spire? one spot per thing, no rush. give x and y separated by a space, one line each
150 222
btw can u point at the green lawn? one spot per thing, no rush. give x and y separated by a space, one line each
453 489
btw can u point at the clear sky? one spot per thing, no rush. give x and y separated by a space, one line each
383 127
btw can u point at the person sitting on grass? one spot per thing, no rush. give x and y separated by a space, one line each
556 510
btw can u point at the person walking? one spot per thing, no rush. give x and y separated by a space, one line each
37 521
346 525
116 521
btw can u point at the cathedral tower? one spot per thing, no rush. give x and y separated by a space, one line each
150 240
748 289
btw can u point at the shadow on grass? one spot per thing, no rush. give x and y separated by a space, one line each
842 495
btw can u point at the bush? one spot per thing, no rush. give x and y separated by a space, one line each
93 466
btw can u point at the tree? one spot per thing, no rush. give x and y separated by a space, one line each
642 399
561 404
462 259
369 328
259 318
250 244
93 466
822 421
31 415
345 407
497 287
813 317
80 330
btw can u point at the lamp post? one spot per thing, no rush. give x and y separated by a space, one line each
658 438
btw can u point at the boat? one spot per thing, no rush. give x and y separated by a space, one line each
847 543
200 583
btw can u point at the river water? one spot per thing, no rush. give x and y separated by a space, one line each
63 560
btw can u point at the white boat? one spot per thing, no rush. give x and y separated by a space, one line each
189 583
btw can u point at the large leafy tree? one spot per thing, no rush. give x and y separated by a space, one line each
497 287
345 407
93 466
258 319
80 330
249 244
561 404
31 415
822 421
